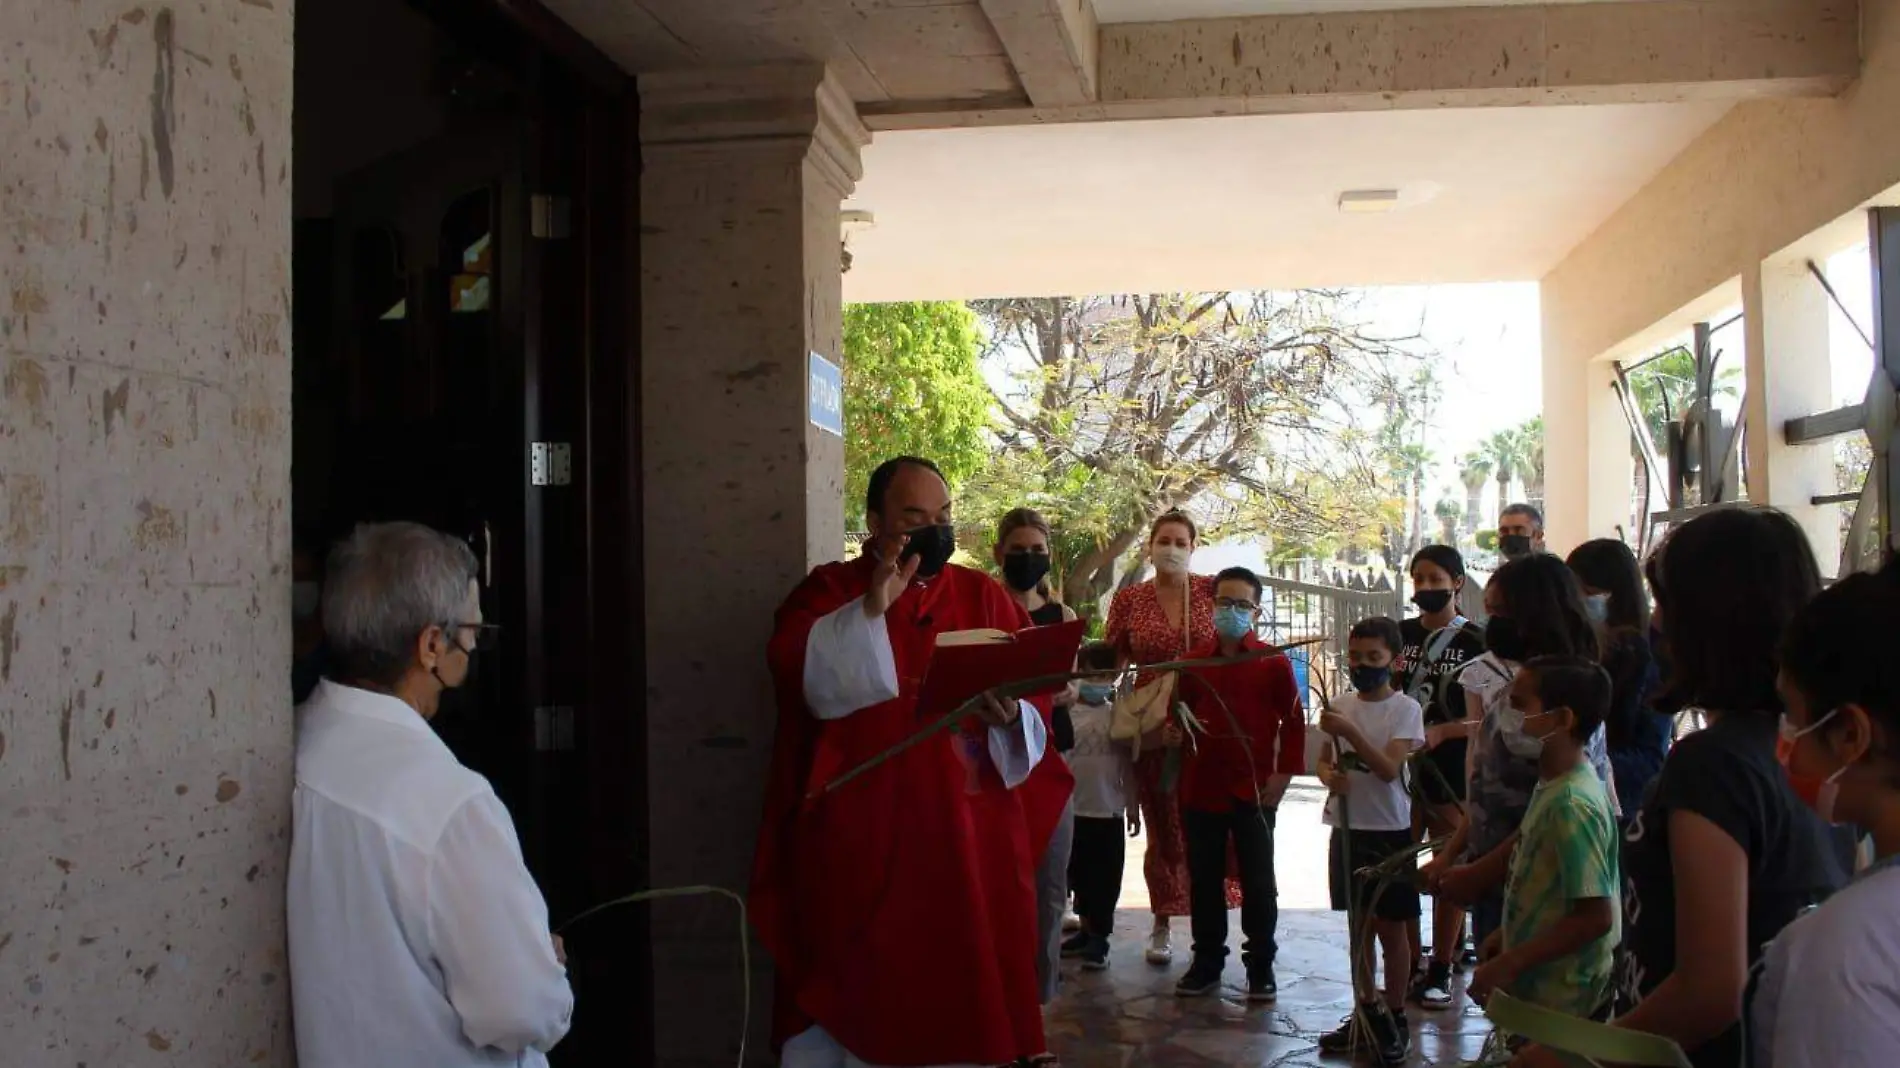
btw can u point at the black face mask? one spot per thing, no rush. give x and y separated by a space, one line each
461 695
1023 571
1431 602
1514 545
933 546
1503 639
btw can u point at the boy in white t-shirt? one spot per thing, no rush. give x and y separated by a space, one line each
1104 804
1371 816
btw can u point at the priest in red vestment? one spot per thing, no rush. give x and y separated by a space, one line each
900 910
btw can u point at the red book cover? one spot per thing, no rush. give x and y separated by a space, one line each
966 663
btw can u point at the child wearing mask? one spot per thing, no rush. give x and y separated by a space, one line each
1557 946
1371 817
1104 800
1827 996
1231 785
1536 609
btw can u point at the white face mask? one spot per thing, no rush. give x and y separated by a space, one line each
1522 744
1172 559
1830 789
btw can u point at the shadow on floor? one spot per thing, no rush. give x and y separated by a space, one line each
1129 1017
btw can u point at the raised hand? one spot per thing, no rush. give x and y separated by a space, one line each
888 583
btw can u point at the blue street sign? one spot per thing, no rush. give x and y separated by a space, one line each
827 395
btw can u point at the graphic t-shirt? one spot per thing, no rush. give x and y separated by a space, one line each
1727 774
1567 853
1373 803
1435 684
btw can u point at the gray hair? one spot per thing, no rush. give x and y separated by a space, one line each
1529 512
384 585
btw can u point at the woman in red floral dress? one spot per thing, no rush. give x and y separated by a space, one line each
1144 625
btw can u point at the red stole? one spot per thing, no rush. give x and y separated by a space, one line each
900 910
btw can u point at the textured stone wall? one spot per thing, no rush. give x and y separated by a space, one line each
145 733
743 174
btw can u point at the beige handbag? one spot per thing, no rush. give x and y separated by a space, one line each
1144 710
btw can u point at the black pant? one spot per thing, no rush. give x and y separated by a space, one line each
1095 872
1251 829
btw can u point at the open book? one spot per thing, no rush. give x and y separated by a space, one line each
968 662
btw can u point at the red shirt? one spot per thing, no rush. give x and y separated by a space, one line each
1262 713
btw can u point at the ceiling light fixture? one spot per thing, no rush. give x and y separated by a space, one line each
1368 201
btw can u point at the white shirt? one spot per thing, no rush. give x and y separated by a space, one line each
1374 804
1830 983
849 666
1101 768
417 936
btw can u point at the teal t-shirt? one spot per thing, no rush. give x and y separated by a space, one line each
1566 852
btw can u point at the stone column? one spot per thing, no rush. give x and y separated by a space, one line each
744 172
145 721
1788 376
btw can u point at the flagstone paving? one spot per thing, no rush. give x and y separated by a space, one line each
1129 1017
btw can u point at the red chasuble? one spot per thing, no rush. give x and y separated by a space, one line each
901 909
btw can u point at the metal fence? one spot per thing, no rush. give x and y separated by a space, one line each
1299 611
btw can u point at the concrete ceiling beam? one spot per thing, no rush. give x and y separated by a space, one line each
1657 51
1053 44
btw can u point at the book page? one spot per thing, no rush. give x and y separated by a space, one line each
973 637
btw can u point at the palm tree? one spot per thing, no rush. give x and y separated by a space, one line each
1475 470
1506 449
1411 463
1448 512
1530 439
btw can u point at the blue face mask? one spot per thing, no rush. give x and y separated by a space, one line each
1597 607
1232 623
1096 693
1366 678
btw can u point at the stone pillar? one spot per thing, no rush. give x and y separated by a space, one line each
1587 466
744 172
145 722
1788 376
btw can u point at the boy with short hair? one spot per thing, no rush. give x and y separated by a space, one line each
1232 783
1561 902
1371 816
1104 803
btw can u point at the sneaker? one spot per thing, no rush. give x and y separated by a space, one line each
1435 992
1095 956
1262 989
1340 1042
1076 944
1071 923
1202 978
1160 947
1383 1033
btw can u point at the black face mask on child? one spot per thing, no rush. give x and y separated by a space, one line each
1503 638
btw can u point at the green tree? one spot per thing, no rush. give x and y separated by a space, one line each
912 386
1530 440
1664 388
1448 512
1237 404
1506 449
1474 470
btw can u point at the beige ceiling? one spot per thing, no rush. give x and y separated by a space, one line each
1244 202
1172 10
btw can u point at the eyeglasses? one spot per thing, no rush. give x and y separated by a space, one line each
486 635
1232 602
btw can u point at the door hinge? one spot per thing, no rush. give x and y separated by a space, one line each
550 463
554 729
550 217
